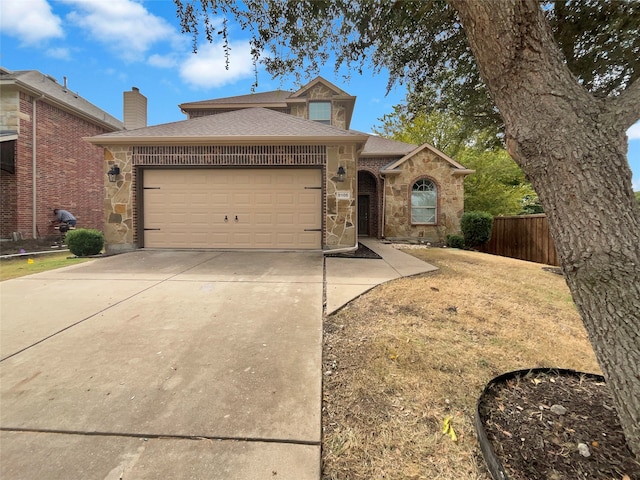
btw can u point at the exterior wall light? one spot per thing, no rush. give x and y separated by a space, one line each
113 173
341 173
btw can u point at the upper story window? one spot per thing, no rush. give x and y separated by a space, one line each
424 202
320 112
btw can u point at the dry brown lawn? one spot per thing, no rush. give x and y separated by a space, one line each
409 353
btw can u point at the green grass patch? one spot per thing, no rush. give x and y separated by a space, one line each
29 264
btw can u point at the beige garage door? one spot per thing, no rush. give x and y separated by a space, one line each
215 208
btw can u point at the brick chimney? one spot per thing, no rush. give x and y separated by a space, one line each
135 109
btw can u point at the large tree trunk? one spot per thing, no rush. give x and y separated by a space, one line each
572 146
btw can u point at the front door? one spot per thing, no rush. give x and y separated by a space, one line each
363 214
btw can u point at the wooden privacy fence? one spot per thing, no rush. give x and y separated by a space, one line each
525 237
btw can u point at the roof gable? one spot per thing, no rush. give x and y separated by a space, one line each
394 166
319 80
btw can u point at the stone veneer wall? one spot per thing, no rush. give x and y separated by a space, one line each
299 110
321 92
119 201
398 199
340 230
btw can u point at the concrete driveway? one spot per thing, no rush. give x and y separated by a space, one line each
164 364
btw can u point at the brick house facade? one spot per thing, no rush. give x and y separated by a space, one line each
42 126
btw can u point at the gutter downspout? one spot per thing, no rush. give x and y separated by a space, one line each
384 205
342 250
34 164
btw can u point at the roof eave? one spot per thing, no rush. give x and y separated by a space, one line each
213 140
222 106
383 154
64 106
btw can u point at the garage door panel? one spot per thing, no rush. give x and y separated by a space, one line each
264 218
273 208
286 199
309 197
308 219
264 199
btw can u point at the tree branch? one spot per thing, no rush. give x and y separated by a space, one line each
625 108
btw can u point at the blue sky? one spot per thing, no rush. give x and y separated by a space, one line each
104 47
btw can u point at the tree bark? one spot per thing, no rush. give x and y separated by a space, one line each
573 147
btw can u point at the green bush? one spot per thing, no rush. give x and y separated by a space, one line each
455 241
476 228
84 241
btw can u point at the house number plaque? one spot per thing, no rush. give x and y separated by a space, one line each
343 195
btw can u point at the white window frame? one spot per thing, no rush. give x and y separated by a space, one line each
422 203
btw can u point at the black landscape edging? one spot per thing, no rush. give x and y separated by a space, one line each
362 252
491 459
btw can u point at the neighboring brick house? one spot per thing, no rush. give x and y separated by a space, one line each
274 170
42 125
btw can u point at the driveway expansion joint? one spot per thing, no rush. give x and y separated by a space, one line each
161 436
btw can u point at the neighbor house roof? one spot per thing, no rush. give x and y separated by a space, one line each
39 84
245 126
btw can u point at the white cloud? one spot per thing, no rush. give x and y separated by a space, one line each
31 21
124 26
634 131
162 61
60 53
206 69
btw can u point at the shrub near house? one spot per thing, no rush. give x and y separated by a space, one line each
476 228
85 241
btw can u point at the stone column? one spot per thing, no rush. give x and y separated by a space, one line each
119 201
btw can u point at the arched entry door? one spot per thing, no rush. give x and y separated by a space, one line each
367 204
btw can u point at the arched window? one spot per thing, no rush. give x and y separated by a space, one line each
424 200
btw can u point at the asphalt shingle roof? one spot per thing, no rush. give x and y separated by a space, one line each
248 122
48 86
380 146
275 96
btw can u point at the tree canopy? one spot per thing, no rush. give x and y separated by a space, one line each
421 43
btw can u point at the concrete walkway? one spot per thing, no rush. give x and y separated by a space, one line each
348 278
169 364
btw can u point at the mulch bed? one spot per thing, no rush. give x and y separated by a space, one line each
26 246
553 425
361 252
